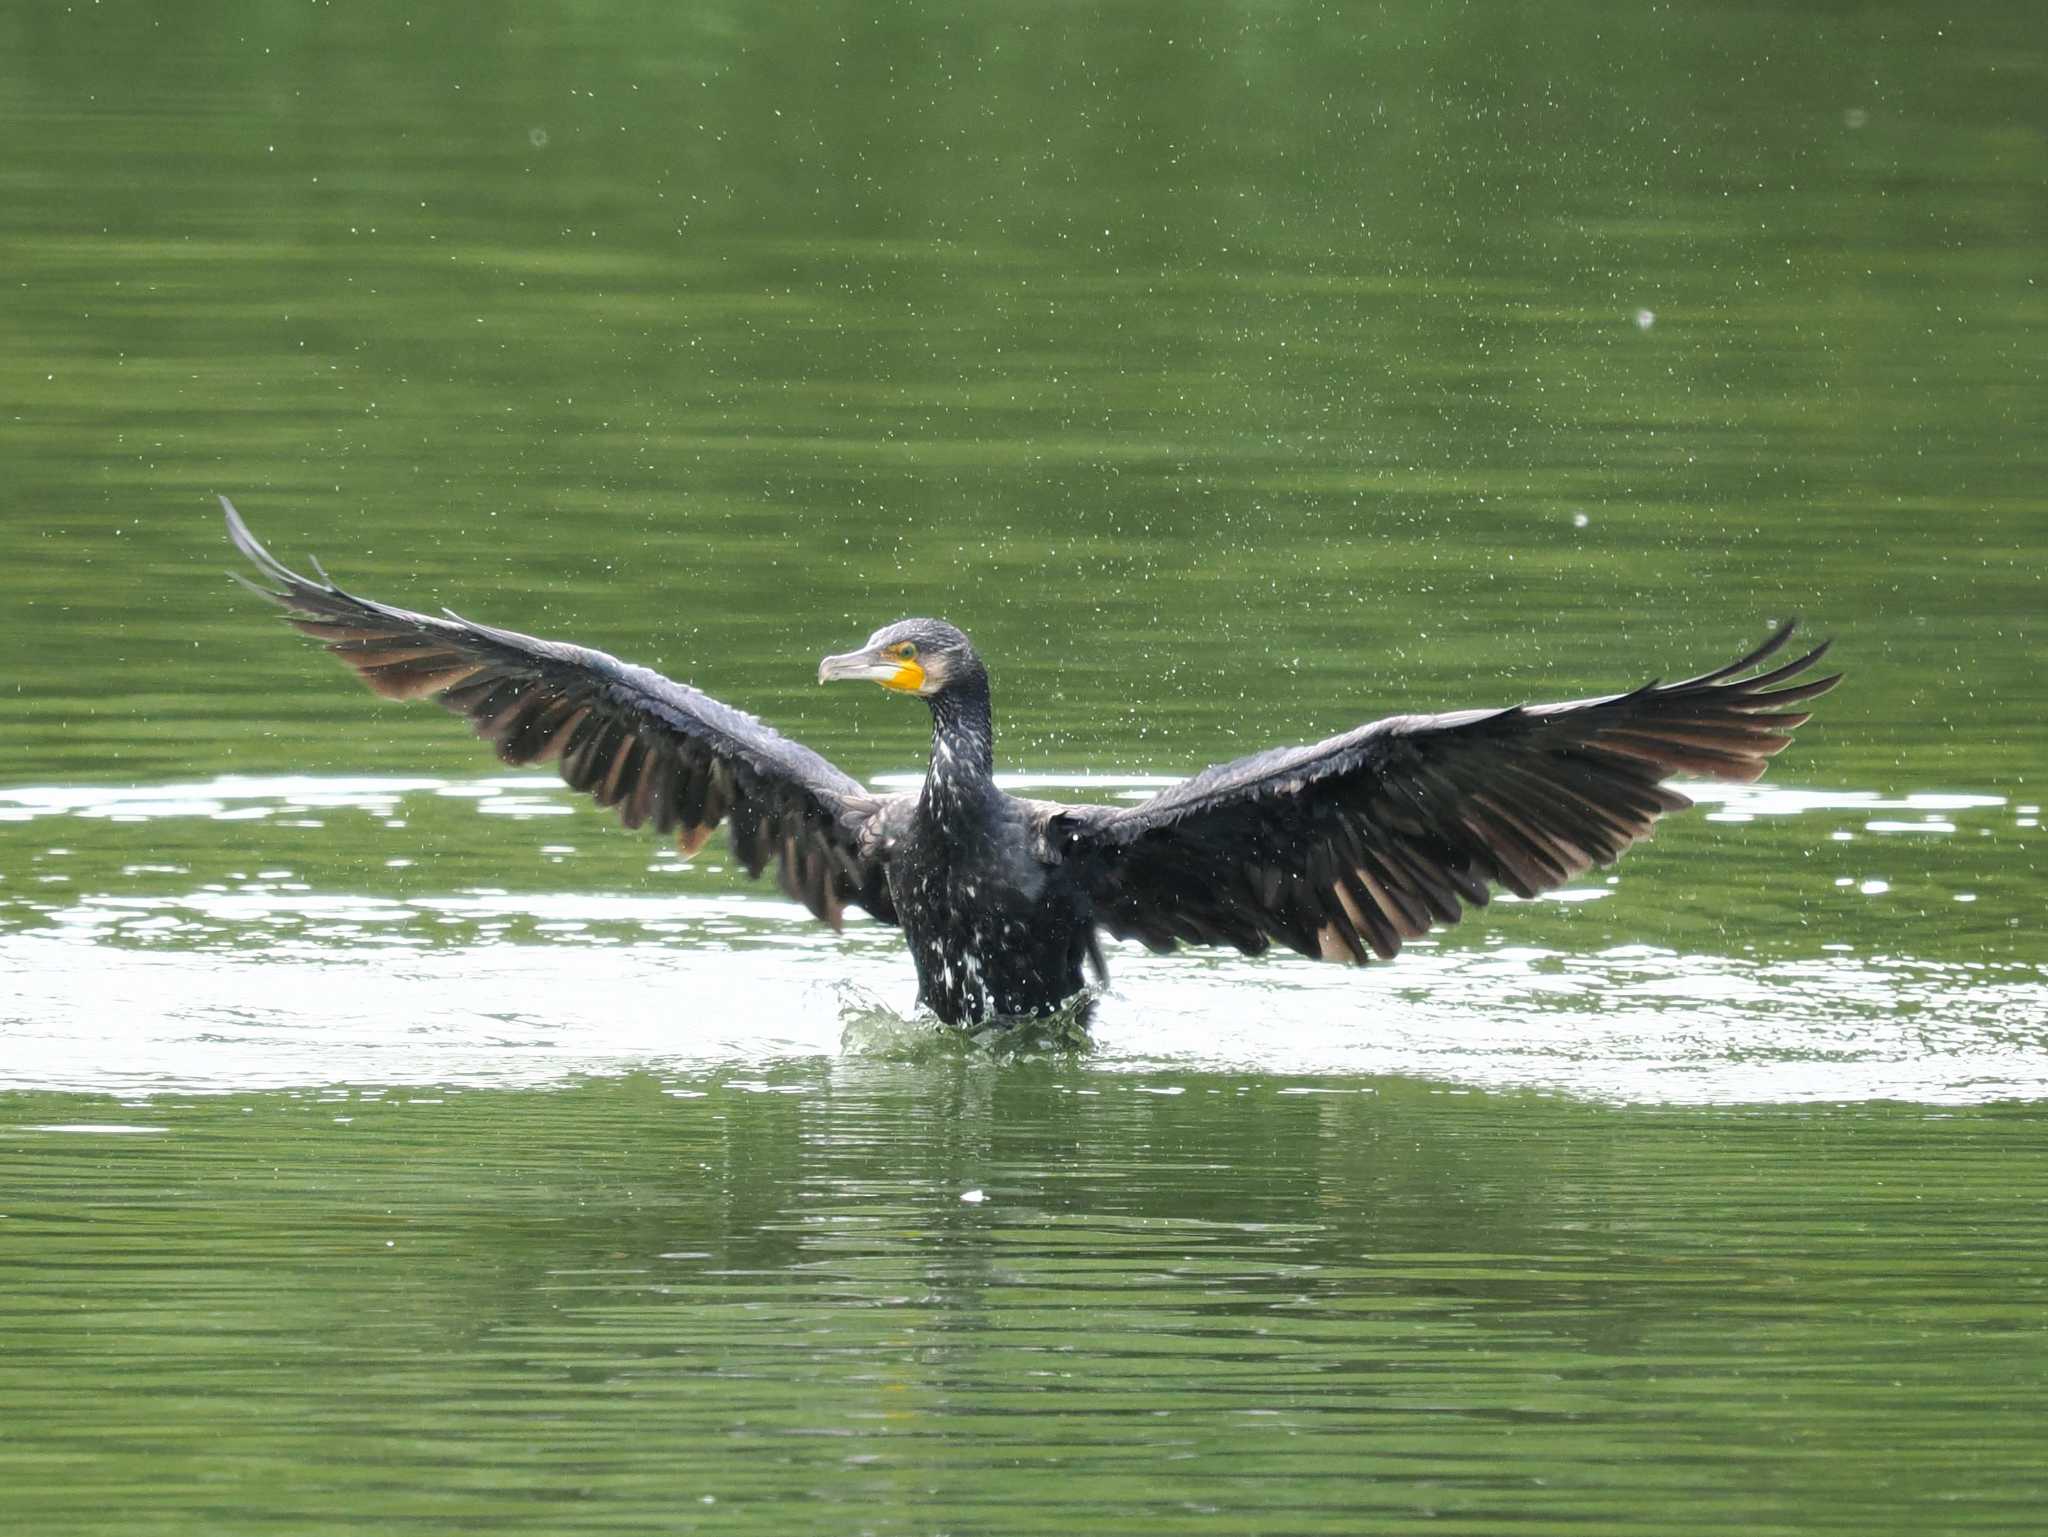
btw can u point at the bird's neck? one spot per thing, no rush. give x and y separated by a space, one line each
963 745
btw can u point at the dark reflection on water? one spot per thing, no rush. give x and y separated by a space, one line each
955 1296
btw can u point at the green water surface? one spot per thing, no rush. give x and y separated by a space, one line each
390 1143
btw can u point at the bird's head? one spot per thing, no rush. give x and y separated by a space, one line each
911 656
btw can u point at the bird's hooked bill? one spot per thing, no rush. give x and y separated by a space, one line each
871 666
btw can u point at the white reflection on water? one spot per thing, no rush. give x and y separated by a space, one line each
1631 1023
229 797
278 984
240 795
547 796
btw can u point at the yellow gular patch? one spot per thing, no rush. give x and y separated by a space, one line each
909 678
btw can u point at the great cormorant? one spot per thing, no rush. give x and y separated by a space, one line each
1340 850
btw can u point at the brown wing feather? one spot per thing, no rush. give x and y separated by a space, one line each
1348 848
658 751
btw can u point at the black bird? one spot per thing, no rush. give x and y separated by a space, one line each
1340 850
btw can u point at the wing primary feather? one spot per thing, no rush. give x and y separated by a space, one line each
1770 646
1426 879
719 791
693 782
1762 681
1367 917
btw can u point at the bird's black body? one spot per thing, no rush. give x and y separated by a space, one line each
995 927
1341 850
998 922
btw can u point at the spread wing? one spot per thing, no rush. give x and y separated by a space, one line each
1347 848
657 750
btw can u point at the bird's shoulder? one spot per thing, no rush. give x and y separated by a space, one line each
1059 830
890 822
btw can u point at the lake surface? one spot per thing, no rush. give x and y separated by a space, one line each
389 1141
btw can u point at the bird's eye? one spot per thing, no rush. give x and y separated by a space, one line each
904 652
